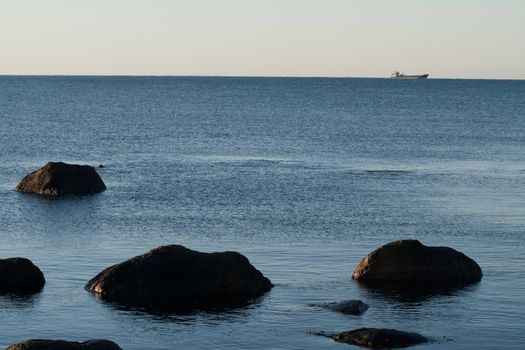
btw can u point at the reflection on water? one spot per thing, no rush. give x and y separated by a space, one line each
413 291
221 319
228 309
19 302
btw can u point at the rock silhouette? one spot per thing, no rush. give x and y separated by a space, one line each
20 276
409 260
176 279
44 344
380 338
58 178
347 307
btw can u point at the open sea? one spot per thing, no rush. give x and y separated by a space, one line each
304 176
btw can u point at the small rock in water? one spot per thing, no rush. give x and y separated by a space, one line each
20 276
44 344
55 179
347 307
99 166
379 338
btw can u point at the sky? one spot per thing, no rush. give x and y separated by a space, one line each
339 38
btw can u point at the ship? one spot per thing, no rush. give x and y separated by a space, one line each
397 75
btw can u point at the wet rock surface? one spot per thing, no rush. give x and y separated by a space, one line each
20 276
347 307
409 260
58 178
176 279
44 344
378 338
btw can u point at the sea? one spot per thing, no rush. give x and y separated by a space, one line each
304 176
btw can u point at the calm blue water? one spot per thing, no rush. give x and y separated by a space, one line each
303 176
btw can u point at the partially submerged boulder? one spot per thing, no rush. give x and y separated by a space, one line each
176 279
44 344
380 338
409 260
20 276
57 178
347 307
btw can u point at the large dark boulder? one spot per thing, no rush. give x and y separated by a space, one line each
20 276
176 279
380 338
44 344
55 179
409 260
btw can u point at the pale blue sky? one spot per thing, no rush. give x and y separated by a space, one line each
461 38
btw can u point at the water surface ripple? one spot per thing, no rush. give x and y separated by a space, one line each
303 176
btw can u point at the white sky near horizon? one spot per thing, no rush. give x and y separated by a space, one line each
362 38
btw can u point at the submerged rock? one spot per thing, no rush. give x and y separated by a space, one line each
380 338
44 344
20 276
409 260
176 279
347 307
55 179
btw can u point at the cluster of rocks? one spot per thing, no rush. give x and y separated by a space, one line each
168 279
176 279
413 265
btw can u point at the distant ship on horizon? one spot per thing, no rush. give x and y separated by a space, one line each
397 75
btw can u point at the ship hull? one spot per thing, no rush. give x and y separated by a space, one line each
411 77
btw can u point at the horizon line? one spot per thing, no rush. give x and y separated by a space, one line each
239 76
